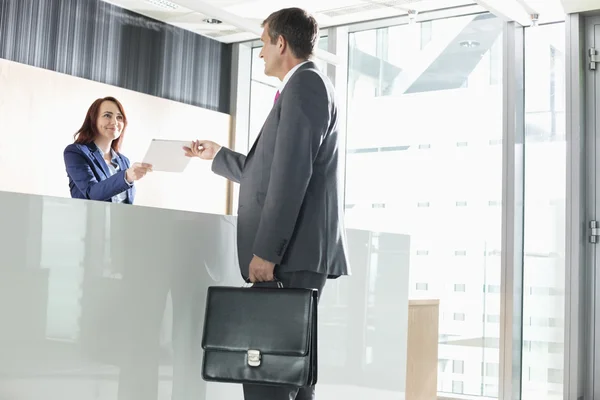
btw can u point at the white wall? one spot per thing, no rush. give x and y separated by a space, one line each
40 110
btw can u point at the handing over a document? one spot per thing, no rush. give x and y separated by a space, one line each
204 149
165 155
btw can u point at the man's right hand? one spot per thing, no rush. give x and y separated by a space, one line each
204 149
137 171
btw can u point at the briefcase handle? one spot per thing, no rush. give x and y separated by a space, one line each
250 284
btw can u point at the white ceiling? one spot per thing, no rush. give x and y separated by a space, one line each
242 18
190 14
575 6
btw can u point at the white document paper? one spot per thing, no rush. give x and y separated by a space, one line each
167 155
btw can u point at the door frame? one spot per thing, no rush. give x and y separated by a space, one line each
592 132
580 255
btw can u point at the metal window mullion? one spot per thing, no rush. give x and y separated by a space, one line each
240 97
511 298
337 44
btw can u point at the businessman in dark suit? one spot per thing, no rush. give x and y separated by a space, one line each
291 211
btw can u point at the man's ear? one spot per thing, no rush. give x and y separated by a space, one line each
281 44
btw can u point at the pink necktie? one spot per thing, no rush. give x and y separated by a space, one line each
276 96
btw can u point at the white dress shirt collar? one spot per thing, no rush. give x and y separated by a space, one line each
113 154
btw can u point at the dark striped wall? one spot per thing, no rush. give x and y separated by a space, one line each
99 41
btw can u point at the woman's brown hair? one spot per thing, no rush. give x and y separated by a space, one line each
88 131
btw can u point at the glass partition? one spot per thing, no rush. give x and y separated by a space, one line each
425 159
107 301
545 198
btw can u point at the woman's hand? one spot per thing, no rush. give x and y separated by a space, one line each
137 171
204 149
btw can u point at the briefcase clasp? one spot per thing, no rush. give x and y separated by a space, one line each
254 358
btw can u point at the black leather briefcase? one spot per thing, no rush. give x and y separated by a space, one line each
260 336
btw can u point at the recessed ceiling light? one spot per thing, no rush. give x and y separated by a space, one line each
213 21
163 4
469 44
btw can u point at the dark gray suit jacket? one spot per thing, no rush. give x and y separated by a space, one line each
291 209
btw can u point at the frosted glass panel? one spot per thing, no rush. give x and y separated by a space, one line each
103 301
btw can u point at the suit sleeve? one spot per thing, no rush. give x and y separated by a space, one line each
303 124
131 193
83 177
127 165
229 164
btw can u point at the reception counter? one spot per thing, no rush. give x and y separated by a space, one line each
103 301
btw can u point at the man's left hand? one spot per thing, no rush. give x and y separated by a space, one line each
261 270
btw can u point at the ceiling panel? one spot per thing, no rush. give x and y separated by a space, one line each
548 10
192 14
150 10
327 12
575 6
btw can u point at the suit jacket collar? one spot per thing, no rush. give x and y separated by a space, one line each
291 72
120 161
98 158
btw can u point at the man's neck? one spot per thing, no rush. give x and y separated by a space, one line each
288 66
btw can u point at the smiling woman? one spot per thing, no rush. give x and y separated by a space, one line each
95 167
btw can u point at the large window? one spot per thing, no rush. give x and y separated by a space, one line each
424 158
544 239
424 139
